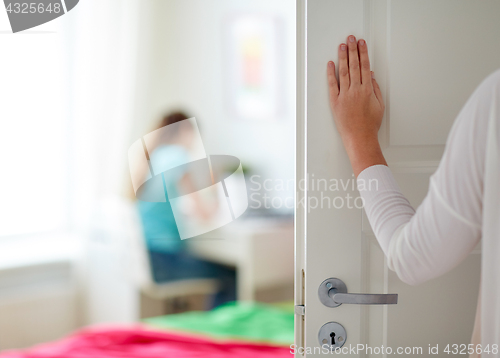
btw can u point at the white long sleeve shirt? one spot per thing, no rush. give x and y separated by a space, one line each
453 217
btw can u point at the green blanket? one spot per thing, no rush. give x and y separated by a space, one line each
236 320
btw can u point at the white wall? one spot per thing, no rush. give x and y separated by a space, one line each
182 67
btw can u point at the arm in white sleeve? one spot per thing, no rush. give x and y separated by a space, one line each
446 227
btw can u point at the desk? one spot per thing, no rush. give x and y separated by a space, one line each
262 250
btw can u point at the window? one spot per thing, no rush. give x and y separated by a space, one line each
32 130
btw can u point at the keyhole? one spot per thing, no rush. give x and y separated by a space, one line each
333 338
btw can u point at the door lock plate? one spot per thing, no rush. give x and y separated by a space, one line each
332 335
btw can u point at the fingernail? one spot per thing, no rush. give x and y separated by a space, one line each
361 42
342 47
373 74
351 38
330 64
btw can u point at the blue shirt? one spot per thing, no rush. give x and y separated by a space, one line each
158 222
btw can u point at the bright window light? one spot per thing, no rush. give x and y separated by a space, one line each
33 147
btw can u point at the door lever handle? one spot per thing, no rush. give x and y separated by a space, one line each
365 298
333 292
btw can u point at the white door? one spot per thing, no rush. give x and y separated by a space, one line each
428 56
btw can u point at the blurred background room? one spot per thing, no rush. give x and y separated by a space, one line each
76 93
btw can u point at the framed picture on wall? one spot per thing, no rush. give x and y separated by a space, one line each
253 66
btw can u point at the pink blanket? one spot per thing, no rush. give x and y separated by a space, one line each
139 342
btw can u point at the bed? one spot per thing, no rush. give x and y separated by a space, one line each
232 330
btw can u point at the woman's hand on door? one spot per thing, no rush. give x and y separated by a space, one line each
357 105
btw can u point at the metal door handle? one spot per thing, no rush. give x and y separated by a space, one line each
333 292
365 298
